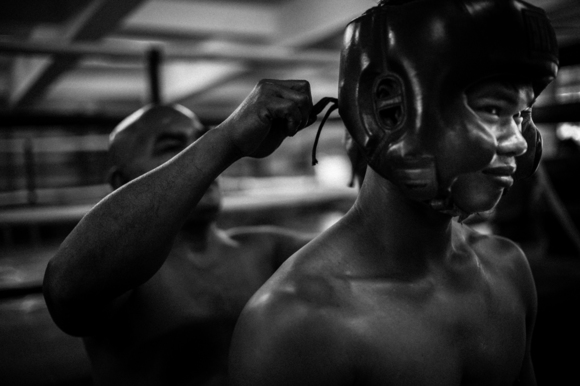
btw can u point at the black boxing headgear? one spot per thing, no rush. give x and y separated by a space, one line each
405 67
528 162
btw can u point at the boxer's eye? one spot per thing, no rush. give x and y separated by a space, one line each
169 143
491 110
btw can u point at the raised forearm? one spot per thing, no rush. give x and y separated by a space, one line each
125 238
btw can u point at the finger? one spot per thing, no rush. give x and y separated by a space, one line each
294 84
297 91
303 87
286 115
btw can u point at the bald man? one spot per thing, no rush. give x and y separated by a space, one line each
147 279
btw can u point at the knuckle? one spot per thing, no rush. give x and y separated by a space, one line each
262 85
292 106
265 83
264 115
303 98
305 85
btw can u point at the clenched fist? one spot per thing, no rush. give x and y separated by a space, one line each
274 110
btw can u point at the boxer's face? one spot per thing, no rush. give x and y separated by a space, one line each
498 103
154 139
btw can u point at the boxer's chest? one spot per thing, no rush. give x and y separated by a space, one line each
441 337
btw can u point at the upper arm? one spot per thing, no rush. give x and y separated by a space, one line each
509 261
516 265
521 275
73 315
527 376
286 342
529 294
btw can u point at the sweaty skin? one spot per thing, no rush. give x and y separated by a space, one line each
148 280
396 293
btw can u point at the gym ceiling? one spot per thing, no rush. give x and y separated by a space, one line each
102 59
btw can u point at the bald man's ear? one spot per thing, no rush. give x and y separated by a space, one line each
116 178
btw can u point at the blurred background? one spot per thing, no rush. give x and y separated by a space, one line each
70 70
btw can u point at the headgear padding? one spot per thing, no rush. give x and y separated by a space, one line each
405 67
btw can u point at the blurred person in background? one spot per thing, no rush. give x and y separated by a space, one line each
146 278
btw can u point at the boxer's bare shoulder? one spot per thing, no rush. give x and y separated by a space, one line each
503 258
289 320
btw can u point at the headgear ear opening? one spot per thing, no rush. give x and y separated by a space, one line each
389 102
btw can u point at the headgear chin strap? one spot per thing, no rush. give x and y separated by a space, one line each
405 67
528 162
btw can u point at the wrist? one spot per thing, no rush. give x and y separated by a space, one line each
225 143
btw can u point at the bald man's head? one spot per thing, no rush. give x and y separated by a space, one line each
149 137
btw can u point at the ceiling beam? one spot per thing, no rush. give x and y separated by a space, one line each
97 20
182 86
303 23
253 53
204 18
72 120
296 23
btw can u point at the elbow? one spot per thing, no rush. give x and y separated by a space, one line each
68 318
62 306
64 320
